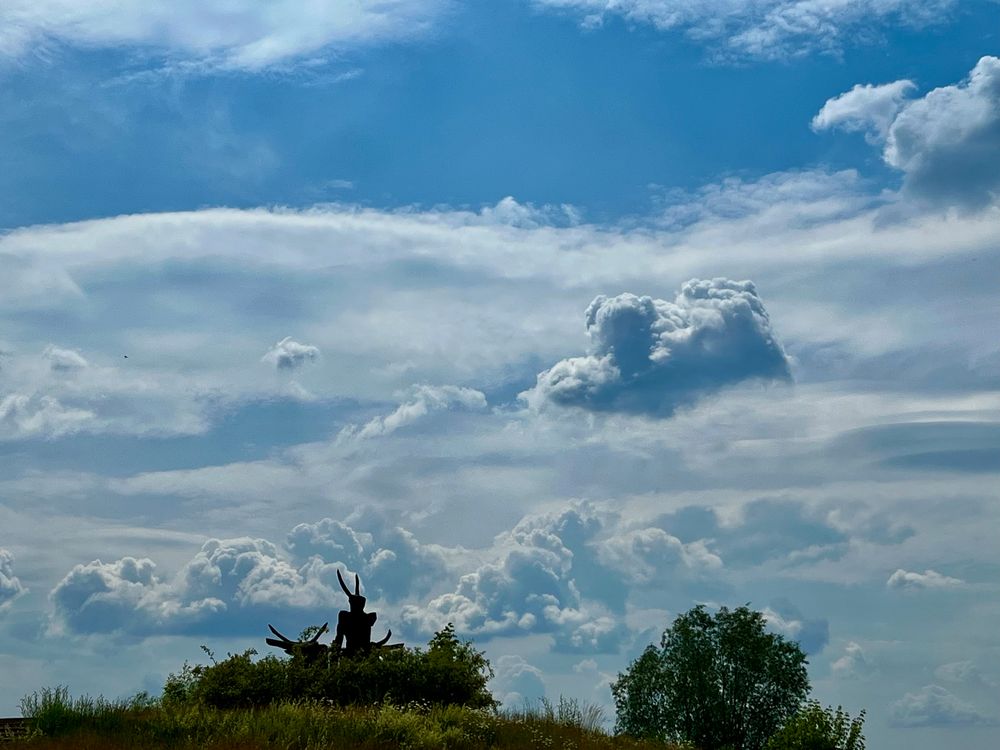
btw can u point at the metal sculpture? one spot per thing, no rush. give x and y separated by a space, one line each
353 636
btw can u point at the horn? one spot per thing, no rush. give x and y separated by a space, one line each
357 585
342 584
384 640
319 633
274 630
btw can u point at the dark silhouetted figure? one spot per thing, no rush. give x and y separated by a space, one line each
355 625
354 631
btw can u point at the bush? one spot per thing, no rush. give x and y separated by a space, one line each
818 728
449 672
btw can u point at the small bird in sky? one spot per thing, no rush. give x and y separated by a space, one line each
125 356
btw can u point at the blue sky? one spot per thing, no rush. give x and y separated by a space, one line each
551 319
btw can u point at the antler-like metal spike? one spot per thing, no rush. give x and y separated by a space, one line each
342 584
282 637
319 632
384 640
357 585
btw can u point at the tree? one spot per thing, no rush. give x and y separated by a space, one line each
717 681
818 728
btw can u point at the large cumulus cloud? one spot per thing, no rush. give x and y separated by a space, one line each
946 143
236 585
393 563
565 573
228 585
650 356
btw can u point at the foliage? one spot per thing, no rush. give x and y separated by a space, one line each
818 728
97 724
717 681
54 711
449 672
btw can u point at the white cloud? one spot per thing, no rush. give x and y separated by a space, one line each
646 554
906 580
421 401
933 706
854 662
230 584
811 634
392 562
866 108
564 573
30 415
517 682
965 672
765 29
10 585
651 356
64 360
946 143
529 587
289 355
242 34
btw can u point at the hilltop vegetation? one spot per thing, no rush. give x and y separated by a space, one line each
62 723
717 682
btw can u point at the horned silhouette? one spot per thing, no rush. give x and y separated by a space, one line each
353 635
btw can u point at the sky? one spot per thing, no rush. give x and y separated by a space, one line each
549 318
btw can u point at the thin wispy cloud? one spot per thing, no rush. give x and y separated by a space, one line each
235 35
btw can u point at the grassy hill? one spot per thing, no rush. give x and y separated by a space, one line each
60 722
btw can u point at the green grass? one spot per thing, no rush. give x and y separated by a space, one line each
64 723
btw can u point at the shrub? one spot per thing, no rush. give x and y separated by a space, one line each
449 672
818 728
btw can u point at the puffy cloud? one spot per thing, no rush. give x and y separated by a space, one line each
853 662
527 216
811 634
422 400
865 108
10 585
29 415
290 355
933 706
566 573
648 553
64 360
764 29
530 588
905 580
241 35
231 584
240 583
393 563
517 682
650 356
964 672
946 143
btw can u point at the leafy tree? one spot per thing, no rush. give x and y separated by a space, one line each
818 728
717 681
